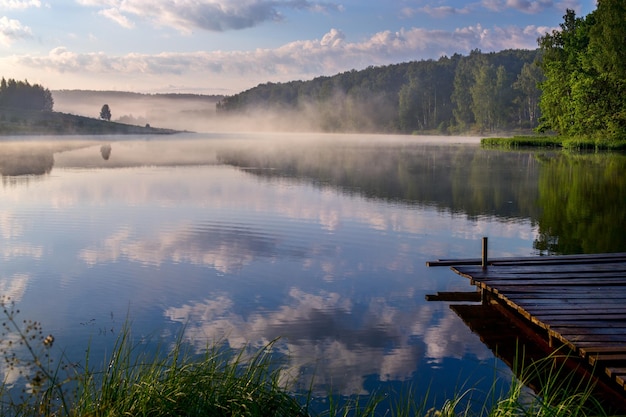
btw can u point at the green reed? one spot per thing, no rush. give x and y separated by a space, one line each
587 143
174 381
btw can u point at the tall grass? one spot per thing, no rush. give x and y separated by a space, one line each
174 381
586 143
522 142
178 383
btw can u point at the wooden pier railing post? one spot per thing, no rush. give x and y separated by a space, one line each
484 256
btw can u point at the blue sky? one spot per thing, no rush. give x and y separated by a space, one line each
227 46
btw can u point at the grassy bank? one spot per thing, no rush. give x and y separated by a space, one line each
560 142
177 382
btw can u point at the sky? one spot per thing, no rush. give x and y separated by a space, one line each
228 46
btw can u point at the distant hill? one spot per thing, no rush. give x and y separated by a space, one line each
194 112
33 122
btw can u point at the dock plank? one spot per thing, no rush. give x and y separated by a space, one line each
579 300
598 258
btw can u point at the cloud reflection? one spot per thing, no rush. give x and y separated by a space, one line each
331 340
351 309
14 287
227 248
9 226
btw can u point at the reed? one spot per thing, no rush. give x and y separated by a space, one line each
585 143
174 381
522 142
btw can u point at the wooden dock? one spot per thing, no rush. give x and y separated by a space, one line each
577 301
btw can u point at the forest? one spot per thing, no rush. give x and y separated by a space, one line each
573 84
484 92
21 95
584 93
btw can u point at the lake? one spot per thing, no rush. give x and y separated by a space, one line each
318 241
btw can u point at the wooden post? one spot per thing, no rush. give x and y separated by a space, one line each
484 257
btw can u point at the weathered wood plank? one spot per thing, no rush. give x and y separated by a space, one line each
581 271
591 350
615 357
614 333
579 301
608 291
566 308
556 261
596 293
618 374
556 325
525 259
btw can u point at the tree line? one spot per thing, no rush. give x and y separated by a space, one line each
22 95
484 92
584 63
573 84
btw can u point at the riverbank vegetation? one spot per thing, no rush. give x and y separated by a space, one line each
553 141
176 381
583 95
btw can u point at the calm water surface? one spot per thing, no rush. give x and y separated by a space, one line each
320 241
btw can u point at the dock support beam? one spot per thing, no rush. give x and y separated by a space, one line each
484 256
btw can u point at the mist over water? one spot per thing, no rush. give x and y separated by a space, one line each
179 112
198 113
317 240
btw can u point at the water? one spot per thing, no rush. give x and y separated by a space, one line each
317 240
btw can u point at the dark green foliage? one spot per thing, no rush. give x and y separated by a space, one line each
584 92
527 83
424 96
582 207
105 112
24 96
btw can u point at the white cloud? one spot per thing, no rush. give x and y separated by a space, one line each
12 30
333 38
211 15
524 6
573 5
18 4
438 12
115 15
294 60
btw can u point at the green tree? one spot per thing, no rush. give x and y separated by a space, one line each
464 79
562 53
407 106
606 59
584 92
24 96
483 94
527 84
105 112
